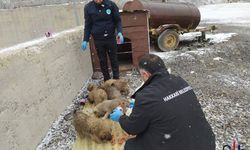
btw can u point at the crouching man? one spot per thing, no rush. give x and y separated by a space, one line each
166 114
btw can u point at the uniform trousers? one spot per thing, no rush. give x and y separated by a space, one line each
104 48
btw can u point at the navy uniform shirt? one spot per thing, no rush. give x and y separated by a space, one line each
167 116
101 20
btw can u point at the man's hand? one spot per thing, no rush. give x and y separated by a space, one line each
116 114
120 38
84 45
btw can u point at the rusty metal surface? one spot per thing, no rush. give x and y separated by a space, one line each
133 19
121 3
185 14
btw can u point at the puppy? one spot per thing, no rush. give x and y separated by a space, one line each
120 84
96 95
107 106
86 126
113 92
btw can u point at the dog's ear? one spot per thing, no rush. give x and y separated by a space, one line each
97 114
105 136
95 111
102 85
90 87
124 105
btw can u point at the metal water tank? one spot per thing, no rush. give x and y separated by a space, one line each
166 20
184 14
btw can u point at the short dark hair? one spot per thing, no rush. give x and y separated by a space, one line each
151 63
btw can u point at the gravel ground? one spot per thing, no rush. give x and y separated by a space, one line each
220 76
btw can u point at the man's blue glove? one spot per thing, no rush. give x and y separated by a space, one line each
84 45
120 38
116 114
131 103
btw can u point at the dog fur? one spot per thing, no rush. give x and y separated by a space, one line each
120 84
91 127
96 95
107 106
113 92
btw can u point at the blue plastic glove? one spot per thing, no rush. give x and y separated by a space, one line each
131 103
121 38
116 114
84 45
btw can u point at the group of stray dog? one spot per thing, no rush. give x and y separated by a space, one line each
103 98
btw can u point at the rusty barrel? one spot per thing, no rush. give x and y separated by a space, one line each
184 14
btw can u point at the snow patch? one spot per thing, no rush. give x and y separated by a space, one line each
199 51
166 55
220 37
213 37
189 36
230 13
217 58
34 42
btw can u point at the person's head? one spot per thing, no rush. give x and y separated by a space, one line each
150 64
98 1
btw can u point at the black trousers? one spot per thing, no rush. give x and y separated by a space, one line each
104 48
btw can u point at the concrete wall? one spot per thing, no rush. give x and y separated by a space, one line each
10 4
24 24
36 84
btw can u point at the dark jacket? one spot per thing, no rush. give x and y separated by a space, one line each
167 116
101 20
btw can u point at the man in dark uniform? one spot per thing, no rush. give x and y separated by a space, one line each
166 114
101 19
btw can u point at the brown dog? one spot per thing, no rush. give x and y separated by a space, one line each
113 92
120 84
107 106
86 126
96 95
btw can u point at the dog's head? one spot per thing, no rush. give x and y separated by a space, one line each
91 87
105 136
122 85
124 104
107 84
97 113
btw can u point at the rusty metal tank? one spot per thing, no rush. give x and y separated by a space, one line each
186 15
